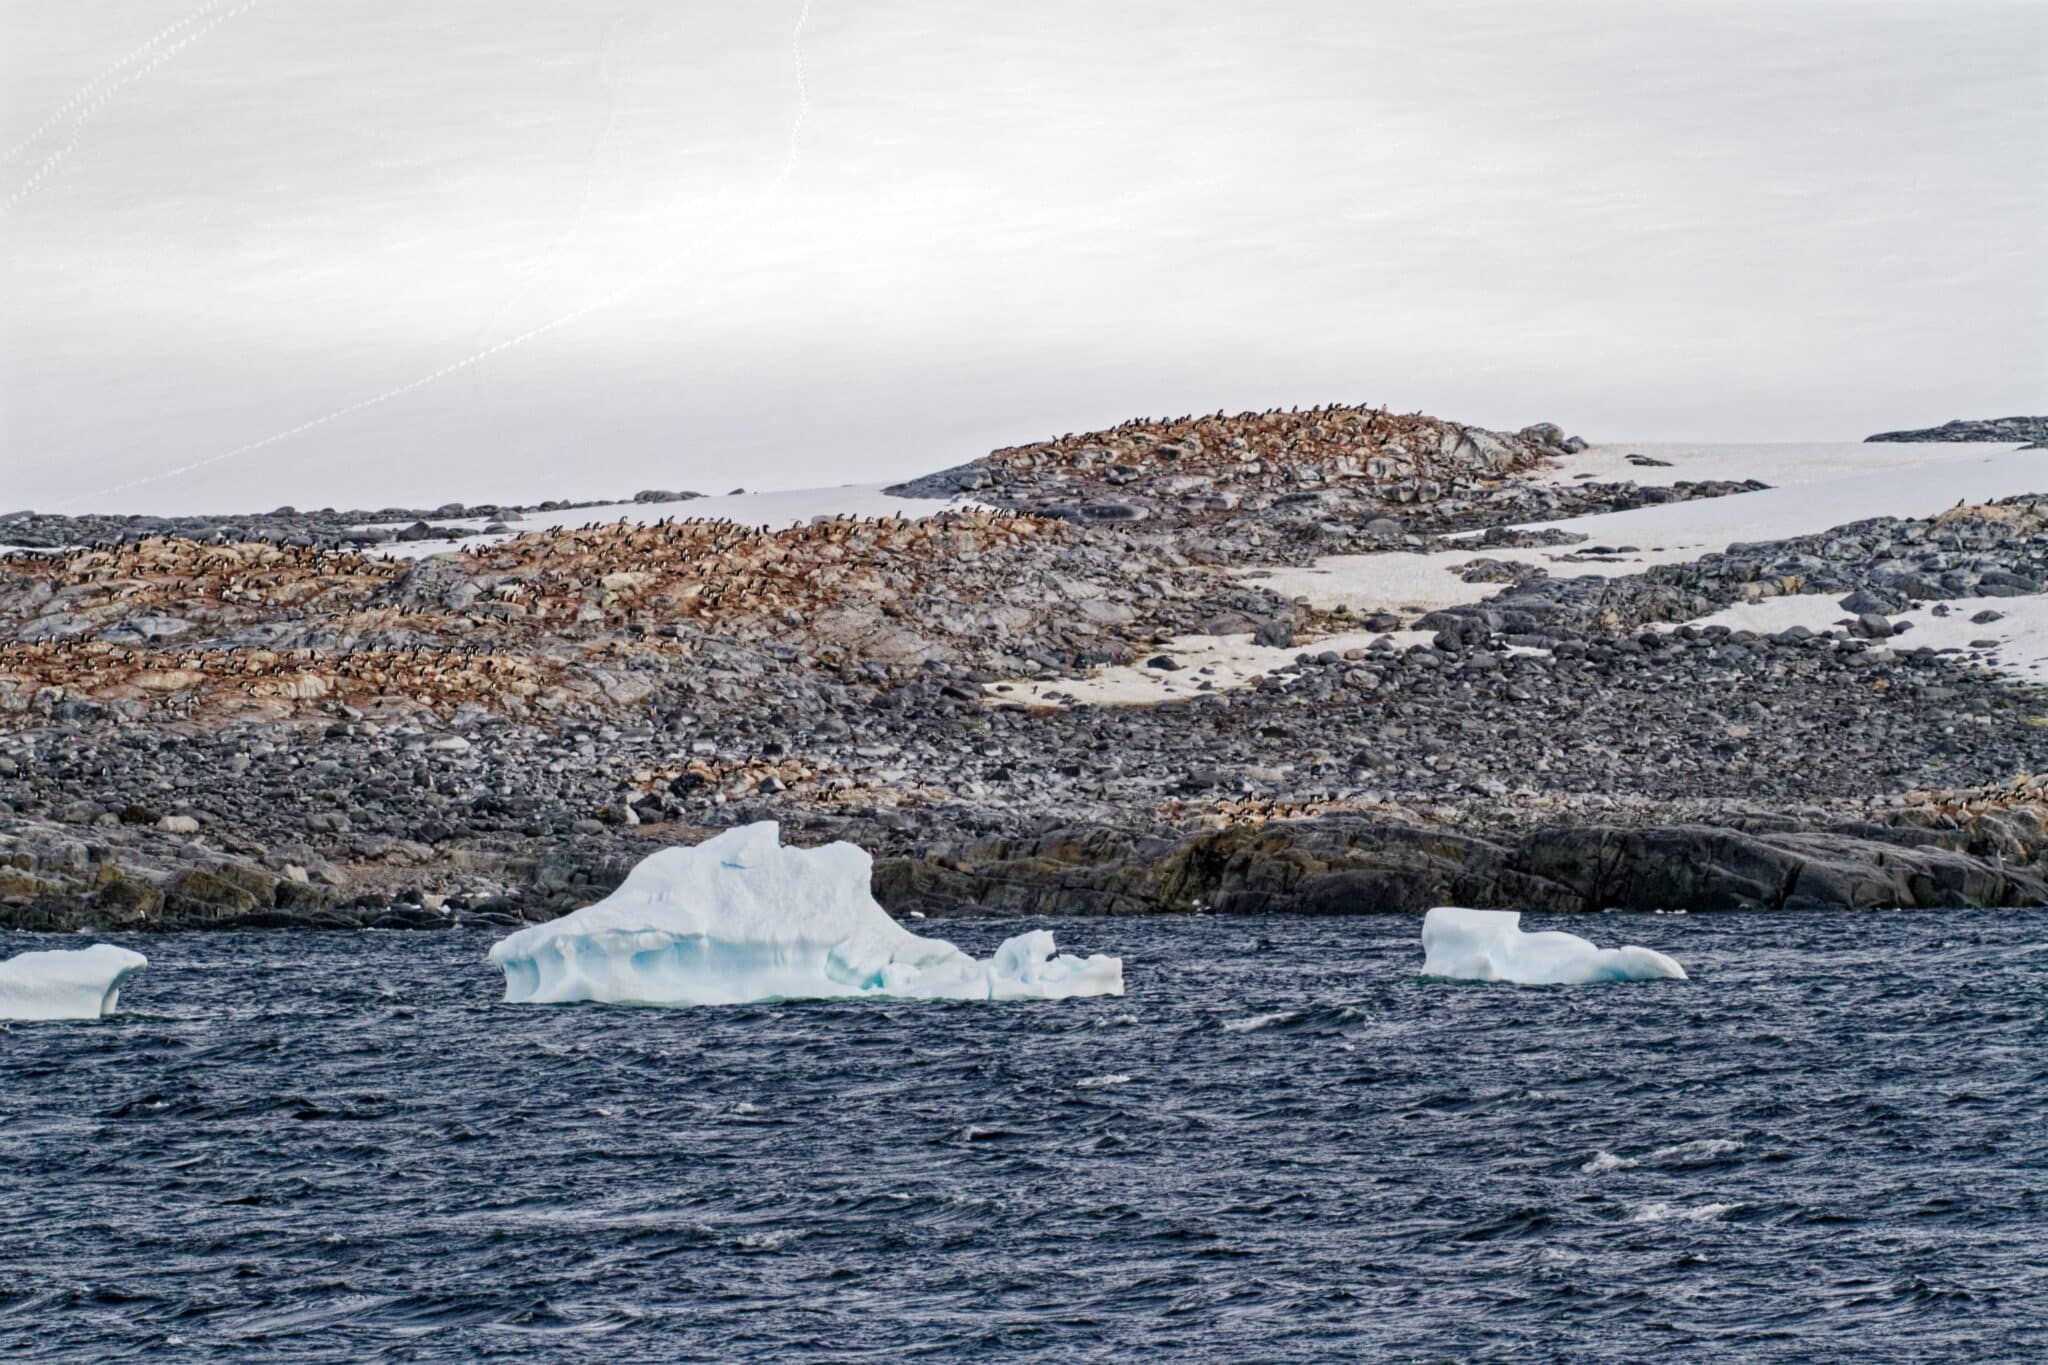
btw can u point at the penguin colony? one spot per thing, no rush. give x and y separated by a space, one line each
196 631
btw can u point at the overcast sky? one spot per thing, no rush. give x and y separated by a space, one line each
365 252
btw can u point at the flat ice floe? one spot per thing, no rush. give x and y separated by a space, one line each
741 918
1490 945
68 983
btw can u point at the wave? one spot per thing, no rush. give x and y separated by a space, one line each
1695 1213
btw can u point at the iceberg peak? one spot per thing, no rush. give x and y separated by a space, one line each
1490 945
66 983
742 917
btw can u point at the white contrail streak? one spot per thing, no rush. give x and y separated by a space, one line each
92 87
630 287
575 222
97 102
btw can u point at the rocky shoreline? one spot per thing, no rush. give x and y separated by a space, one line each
239 731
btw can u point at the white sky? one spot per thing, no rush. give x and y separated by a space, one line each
1686 221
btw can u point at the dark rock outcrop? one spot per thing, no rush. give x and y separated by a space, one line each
2029 430
1345 866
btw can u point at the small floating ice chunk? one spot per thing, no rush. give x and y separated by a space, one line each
69 983
1490 945
741 918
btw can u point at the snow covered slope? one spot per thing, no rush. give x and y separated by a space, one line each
741 917
81 983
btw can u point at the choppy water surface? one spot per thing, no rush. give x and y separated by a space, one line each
1280 1145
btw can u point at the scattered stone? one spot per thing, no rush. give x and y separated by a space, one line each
1273 634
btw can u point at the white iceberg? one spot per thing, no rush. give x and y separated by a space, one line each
1489 945
73 983
741 918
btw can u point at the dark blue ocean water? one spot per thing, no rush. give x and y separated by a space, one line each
1281 1145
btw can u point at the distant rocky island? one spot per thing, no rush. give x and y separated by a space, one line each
241 722
2027 430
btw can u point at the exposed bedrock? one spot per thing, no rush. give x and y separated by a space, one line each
1343 866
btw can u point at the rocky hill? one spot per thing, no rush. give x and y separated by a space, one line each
284 731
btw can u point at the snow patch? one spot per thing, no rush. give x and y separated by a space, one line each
1911 481
2015 644
1490 945
1203 664
1781 464
76 983
742 918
